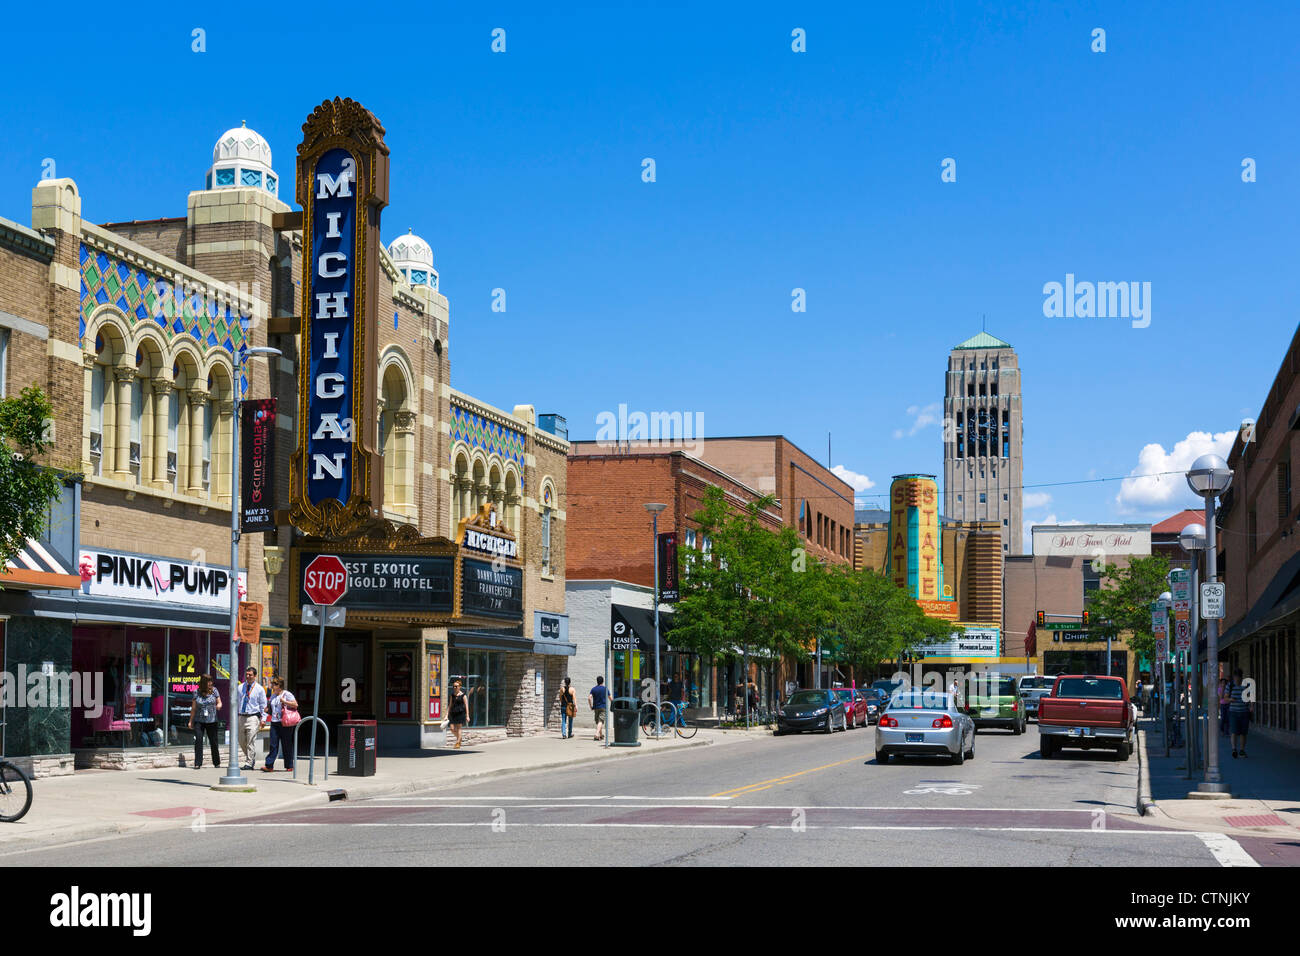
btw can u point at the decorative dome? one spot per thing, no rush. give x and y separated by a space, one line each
413 258
241 159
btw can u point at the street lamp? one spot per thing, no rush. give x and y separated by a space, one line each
1192 538
1210 477
654 508
234 775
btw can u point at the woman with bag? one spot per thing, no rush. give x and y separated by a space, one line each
459 712
203 711
568 709
284 724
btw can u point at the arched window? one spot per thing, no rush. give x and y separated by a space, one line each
460 491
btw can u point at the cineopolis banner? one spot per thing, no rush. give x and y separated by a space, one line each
257 483
668 591
133 577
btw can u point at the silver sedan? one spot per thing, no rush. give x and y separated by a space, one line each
924 723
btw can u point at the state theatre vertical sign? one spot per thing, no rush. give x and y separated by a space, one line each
335 482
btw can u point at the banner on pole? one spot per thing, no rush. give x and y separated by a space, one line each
257 483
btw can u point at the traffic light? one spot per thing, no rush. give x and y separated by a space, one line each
1085 617
1042 618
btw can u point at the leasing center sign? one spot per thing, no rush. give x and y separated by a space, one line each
342 186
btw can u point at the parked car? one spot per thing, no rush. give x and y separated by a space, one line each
811 710
876 701
887 686
1086 710
992 701
924 723
855 706
1033 687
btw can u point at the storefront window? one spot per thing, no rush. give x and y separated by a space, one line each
187 661
482 678
101 649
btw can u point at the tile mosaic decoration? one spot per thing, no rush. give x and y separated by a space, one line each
137 293
477 432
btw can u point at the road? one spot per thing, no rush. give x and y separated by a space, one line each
793 800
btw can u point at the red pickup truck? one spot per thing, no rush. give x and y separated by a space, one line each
1085 710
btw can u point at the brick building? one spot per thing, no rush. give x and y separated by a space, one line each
610 579
1259 557
137 330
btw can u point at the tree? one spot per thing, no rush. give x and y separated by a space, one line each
1123 602
26 487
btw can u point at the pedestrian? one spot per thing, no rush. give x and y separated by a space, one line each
953 690
598 701
1225 699
1137 697
1155 701
456 717
203 712
1239 713
283 732
568 709
251 708
675 695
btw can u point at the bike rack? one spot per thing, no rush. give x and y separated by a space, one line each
311 765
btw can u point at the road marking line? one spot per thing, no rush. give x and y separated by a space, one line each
765 784
1227 850
365 804
491 823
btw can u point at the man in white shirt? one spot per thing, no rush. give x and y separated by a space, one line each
251 711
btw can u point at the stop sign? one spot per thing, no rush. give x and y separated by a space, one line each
325 580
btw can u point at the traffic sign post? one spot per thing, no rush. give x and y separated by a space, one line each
325 581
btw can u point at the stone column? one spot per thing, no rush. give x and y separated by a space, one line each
222 477
122 379
162 413
403 445
198 398
88 363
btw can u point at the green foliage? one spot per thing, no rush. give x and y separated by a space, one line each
26 487
758 588
1123 602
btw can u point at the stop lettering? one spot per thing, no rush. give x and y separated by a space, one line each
325 579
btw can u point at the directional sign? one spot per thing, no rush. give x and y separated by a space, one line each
325 580
1062 626
1183 635
1213 596
334 616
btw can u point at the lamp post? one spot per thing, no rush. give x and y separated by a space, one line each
1210 477
1165 599
654 508
1192 538
234 775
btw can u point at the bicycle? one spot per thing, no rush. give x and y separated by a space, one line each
15 792
671 720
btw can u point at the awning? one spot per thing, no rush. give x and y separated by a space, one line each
634 628
34 568
1280 598
469 640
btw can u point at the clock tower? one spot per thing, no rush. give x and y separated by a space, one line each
983 438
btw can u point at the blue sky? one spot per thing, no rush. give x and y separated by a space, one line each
774 170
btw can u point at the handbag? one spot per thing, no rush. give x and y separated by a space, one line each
289 718
571 709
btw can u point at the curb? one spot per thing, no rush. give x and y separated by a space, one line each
1144 802
79 833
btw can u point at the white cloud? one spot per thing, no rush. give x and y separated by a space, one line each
859 482
921 418
1152 491
1036 499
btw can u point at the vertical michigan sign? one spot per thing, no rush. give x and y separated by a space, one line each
342 188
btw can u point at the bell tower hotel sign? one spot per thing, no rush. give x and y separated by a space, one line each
1093 540
335 485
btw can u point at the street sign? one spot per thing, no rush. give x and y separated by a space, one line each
1180 583
324 616
1062 626
325 580
1162 650
1213 596
1183 634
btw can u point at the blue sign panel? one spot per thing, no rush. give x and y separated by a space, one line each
332 271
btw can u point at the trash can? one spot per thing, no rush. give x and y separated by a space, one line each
626 725
357 740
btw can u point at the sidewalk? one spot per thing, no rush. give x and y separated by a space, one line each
1265 788
98 803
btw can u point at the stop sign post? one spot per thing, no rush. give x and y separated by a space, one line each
325 581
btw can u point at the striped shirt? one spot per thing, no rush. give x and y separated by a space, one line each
1238 704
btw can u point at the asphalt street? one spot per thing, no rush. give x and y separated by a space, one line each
809 799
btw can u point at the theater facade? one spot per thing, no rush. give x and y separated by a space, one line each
448 510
